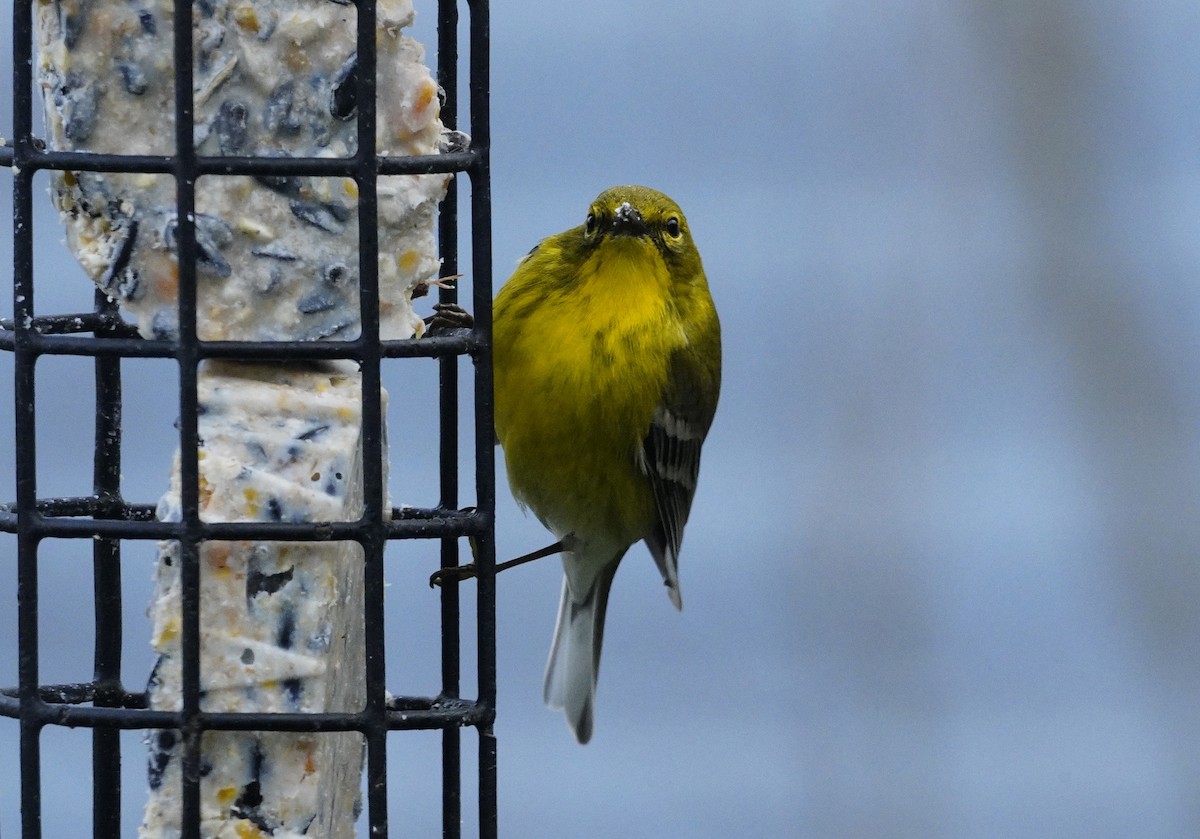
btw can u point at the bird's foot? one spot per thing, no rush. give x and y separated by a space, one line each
447 316
456 574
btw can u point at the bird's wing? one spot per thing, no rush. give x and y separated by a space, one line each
670 453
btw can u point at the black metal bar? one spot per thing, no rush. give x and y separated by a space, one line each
485 464
417 713
489 802
25 426
90 505
110 324
71 694
373 537
77 161
186 173
447 69
106 571
436 526
457 342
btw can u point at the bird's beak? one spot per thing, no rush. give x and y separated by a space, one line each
628 221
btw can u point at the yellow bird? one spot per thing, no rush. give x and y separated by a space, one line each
607 356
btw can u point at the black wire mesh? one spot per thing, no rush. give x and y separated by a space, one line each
105 517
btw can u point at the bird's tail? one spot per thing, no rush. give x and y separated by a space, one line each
575 656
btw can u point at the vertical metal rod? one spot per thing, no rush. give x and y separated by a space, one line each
25 425
191 728
488 800
373 539
106 570
485 458
447 58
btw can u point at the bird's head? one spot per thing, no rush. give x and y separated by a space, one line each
630 219
636 211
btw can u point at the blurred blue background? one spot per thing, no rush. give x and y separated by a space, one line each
941 576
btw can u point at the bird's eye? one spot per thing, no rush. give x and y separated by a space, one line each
673 227
589 224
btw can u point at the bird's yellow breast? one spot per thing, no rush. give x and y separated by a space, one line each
579 370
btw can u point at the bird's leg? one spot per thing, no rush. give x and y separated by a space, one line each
466 572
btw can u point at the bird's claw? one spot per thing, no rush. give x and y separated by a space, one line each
448 316
454 574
